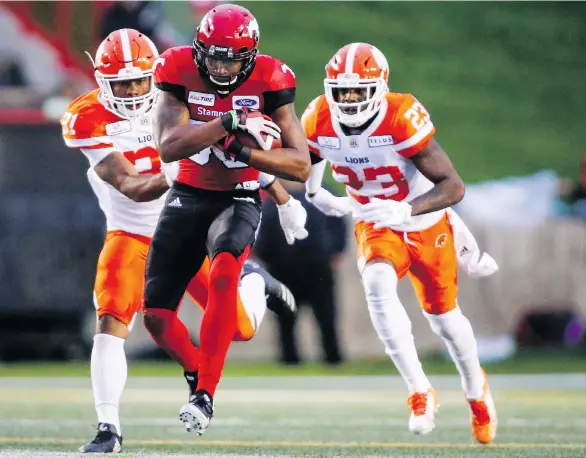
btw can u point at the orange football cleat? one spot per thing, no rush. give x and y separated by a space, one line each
483 416
423 408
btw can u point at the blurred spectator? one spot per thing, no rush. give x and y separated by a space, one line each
30 71
10 74
144 16
308 268
575 193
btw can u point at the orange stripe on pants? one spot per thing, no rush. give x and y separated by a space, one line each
119 284
119 281
427 256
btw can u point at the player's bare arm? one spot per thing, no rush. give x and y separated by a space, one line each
278 193
116 170
175 138
433 162
291 162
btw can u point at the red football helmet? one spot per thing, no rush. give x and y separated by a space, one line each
225 46
125 54
360 67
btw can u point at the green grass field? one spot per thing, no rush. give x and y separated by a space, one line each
540 416
525 361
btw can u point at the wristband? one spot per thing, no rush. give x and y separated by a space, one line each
230 121
243 155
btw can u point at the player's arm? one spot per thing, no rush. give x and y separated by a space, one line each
435 165
320 197
116 170
175 138
277 192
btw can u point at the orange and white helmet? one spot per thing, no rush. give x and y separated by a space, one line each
356 66
125 54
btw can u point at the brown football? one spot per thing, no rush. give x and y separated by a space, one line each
248 140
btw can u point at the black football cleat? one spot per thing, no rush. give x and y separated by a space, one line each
106 441
197 414
192 379
280 299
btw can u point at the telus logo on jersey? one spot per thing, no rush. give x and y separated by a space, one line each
246 101
117 128
357 160
381 140
201 98
329 142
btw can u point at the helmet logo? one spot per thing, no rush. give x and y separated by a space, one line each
222 50
253 30
380 59
206 26
336 61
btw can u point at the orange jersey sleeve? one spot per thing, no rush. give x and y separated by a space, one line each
84 127
309 121
84 123
411 126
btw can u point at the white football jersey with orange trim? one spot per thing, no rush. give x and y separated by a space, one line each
90 127
376 162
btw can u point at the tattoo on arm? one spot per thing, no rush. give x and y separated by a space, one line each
170 112
175 137
435 165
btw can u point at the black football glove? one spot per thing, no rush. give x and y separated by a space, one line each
233 149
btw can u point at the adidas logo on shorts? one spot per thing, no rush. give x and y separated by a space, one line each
175 203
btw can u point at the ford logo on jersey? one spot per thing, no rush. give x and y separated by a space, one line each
246 101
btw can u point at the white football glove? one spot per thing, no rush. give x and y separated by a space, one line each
171 170
293 216
385 213
329 204
256 124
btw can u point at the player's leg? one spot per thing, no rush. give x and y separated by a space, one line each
249 315
229 239
434 273
176 254
257 290
383 260
117 295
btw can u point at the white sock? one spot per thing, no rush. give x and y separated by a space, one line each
252 294
109 372
392 324
456 332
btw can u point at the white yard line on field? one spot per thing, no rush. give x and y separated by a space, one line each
446 423
498 382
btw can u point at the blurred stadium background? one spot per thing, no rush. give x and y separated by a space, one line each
504 83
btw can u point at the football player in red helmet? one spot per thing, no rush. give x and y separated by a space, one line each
210 91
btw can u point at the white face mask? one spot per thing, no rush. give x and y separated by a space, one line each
354 114
127 107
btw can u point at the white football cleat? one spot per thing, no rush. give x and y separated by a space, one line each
423 408
197 414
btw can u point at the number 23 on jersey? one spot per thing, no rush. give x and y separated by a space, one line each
387 176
